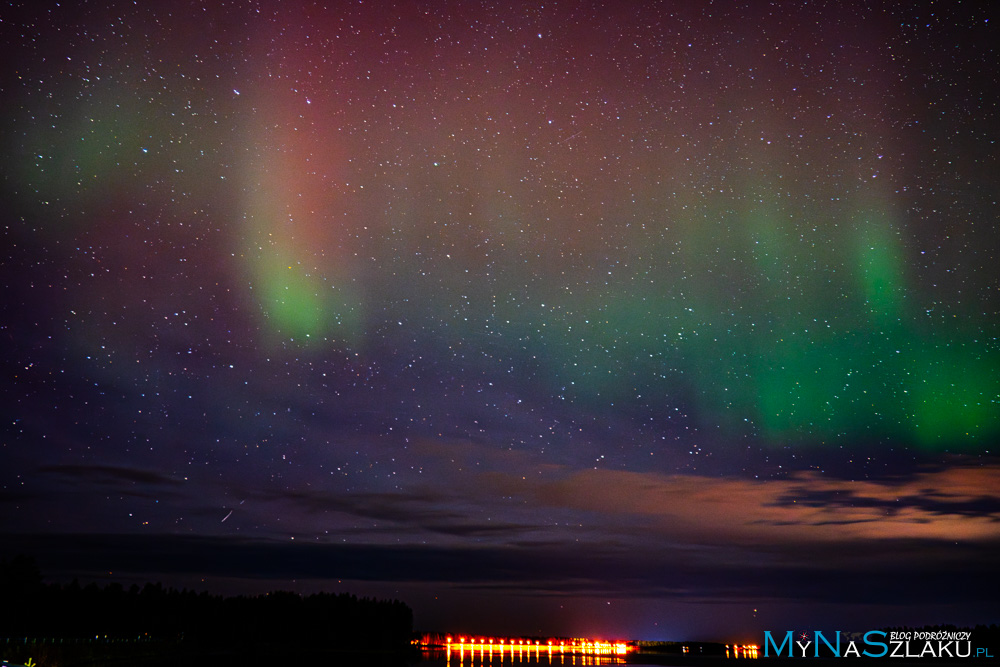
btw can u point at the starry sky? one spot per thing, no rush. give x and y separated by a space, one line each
660 320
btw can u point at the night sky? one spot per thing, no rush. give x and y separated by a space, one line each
657 320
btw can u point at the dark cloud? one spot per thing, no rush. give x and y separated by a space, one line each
930 501
109 475
409 512
904 571
14 496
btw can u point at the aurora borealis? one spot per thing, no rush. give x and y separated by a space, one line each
655 319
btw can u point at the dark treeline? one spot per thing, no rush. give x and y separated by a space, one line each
32 608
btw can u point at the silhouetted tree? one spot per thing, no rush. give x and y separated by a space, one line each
32 609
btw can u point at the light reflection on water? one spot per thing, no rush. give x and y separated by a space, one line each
438 658
533 657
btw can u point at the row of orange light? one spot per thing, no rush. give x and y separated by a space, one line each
589 647
743 651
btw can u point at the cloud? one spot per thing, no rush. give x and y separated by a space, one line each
901 572
120 476
8 496
410 512
954 503
931 503
508 523
124 480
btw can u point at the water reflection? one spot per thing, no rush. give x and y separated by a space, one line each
440 650
484 654
511 650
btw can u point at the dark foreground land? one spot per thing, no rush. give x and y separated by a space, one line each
53 625
191 654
